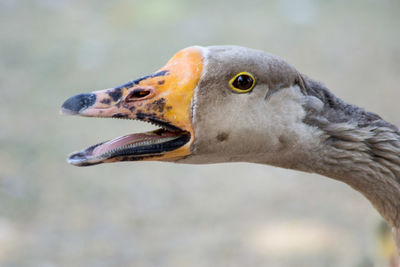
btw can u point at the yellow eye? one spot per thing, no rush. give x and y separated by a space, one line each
243 82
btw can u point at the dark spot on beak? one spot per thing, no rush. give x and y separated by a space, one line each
115 94
157 105
222 137
106 101
140 115
120 115
79 103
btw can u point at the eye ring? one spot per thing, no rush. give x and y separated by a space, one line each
243 82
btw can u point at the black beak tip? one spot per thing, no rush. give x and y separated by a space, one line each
78 103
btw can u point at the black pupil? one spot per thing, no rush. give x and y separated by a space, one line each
243 82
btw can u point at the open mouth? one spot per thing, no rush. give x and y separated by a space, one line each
163 98
133 147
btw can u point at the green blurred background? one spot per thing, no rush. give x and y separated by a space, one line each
160 214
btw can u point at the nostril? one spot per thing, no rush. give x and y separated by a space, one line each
139 94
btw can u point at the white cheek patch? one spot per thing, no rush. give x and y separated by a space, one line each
284 115
285 106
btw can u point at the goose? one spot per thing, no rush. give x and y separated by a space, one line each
235 104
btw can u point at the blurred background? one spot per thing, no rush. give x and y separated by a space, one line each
161 214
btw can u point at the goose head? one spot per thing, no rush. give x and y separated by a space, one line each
212 104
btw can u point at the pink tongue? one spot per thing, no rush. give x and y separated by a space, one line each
127 139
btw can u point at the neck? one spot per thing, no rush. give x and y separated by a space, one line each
357 147
368 160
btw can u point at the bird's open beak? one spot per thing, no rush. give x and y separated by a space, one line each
163 98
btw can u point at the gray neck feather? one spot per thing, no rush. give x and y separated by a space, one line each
358 148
